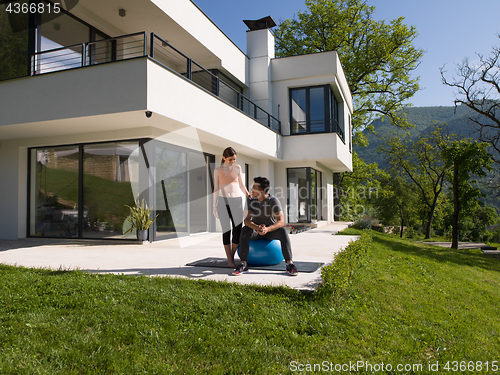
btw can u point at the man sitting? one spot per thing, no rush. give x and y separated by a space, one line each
264 219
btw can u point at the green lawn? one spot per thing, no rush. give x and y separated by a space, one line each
411 303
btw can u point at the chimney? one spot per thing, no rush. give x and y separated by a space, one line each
260 51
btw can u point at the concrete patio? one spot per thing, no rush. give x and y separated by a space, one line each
169 258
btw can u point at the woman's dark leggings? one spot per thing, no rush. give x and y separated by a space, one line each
230 211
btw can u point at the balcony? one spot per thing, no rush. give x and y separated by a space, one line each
328 149
316 127
135 45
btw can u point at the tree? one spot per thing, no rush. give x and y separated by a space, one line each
358 187
421 162
466 158
397 201
478 88
377 57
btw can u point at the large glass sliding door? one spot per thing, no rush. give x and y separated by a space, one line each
171 192
304 195
198 193
298 195
183 192
82 191
110 181
54 192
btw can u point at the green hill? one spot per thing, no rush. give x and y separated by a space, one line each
423 118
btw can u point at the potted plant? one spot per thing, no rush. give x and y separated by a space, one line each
140 219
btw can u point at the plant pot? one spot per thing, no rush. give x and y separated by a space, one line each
142 235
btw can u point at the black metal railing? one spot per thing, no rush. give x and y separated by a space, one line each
316 127
338 129
84 54
171 58
135 45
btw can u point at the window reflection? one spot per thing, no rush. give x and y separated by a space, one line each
171 193
314 110
54 208
299 114
110 178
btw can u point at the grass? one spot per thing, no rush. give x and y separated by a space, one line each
411 303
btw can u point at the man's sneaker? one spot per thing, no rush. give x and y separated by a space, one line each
291 269
242 268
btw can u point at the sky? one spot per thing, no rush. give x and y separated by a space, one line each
449 31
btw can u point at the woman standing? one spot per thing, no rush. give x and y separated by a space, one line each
228 206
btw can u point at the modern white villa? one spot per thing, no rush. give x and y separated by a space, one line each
106 101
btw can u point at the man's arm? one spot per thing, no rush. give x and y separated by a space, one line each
280 221
248 221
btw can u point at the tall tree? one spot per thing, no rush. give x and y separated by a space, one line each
377 57
422 163
478 88
466 158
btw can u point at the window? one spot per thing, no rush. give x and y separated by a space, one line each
22 34
314 110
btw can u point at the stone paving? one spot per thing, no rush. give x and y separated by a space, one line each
169 258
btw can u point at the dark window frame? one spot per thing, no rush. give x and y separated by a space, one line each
331 111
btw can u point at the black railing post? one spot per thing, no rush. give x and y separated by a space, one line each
189 74
84 54
145 44
152 46
269 121
255 111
